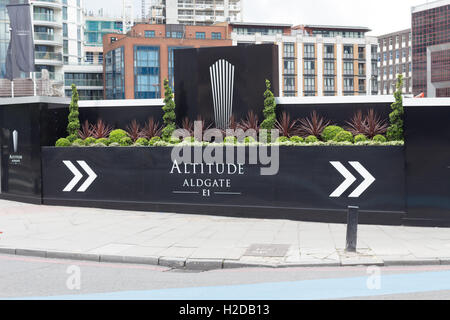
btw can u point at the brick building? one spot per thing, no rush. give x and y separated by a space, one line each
431 49
136 64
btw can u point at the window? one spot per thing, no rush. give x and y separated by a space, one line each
328 68
309 51
348 84
114 72
216 35
328 51
64 13
348 68
146 72
200 35
289 50
309 67
310 85
289 84
289 67
65 31
149 33
348 52
328 84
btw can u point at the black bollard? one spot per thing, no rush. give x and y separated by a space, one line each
352 229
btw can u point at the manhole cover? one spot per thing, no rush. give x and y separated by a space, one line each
267 250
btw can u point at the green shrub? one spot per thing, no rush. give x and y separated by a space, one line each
344 136
126 142
89 141
154 140
249 140
230 139
395 130
73 125
330 132
98 145
114 144
78 142
311 139
189 139
361 138
269 111
63 142
297 139
379 138
169 112
141 142
104 141
174 140
282 139
117 135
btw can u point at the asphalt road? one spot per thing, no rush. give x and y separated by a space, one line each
38 278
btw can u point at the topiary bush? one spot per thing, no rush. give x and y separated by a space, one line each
269 111
311 139
379 138
230 139
117 135
360 138
297 139
282 139
344 136
79 142
104 141
73 125
395 130
89 141
126 142
63 142
154 140
174 140
141 142
169 112
330 132
249 140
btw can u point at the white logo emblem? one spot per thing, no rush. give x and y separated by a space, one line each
15 140
222 83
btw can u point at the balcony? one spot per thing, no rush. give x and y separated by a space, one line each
348 72
48 58
361 56
329 89
309 72
58 77
328 56
45 18
45 37
309 55
348 56
328 72
83 82
349 89
56 4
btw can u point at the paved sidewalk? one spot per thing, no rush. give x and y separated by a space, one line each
207 242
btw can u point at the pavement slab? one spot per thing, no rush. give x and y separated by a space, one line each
202 242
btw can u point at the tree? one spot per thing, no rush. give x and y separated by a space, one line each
270 116
395 130
169 112
73 125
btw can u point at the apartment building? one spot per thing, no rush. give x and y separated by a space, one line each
195 12
431 49
136 63
395 57
317 60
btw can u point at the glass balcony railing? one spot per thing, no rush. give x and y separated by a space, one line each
348 72
42 36
46 17
48 56
51 75
84 82
348 55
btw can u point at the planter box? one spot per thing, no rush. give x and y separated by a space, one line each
147 179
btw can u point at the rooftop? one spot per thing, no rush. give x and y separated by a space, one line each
331 27
430 5
260 24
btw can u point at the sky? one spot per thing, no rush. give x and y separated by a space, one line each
382 16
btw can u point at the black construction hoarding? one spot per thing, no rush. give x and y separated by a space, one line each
319 182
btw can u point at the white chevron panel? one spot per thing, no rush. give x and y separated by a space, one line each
222 86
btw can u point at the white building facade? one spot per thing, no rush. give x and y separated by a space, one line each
195 12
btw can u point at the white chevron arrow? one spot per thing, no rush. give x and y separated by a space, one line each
349 179
77 176
368 179
90 179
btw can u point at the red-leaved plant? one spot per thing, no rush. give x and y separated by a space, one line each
134 130
187 125
369 125
313 126
86 131
101 130
250 122
286 126
152 129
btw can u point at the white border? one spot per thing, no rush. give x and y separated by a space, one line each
431 102
335 99
121 103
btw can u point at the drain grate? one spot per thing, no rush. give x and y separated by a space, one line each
267 250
